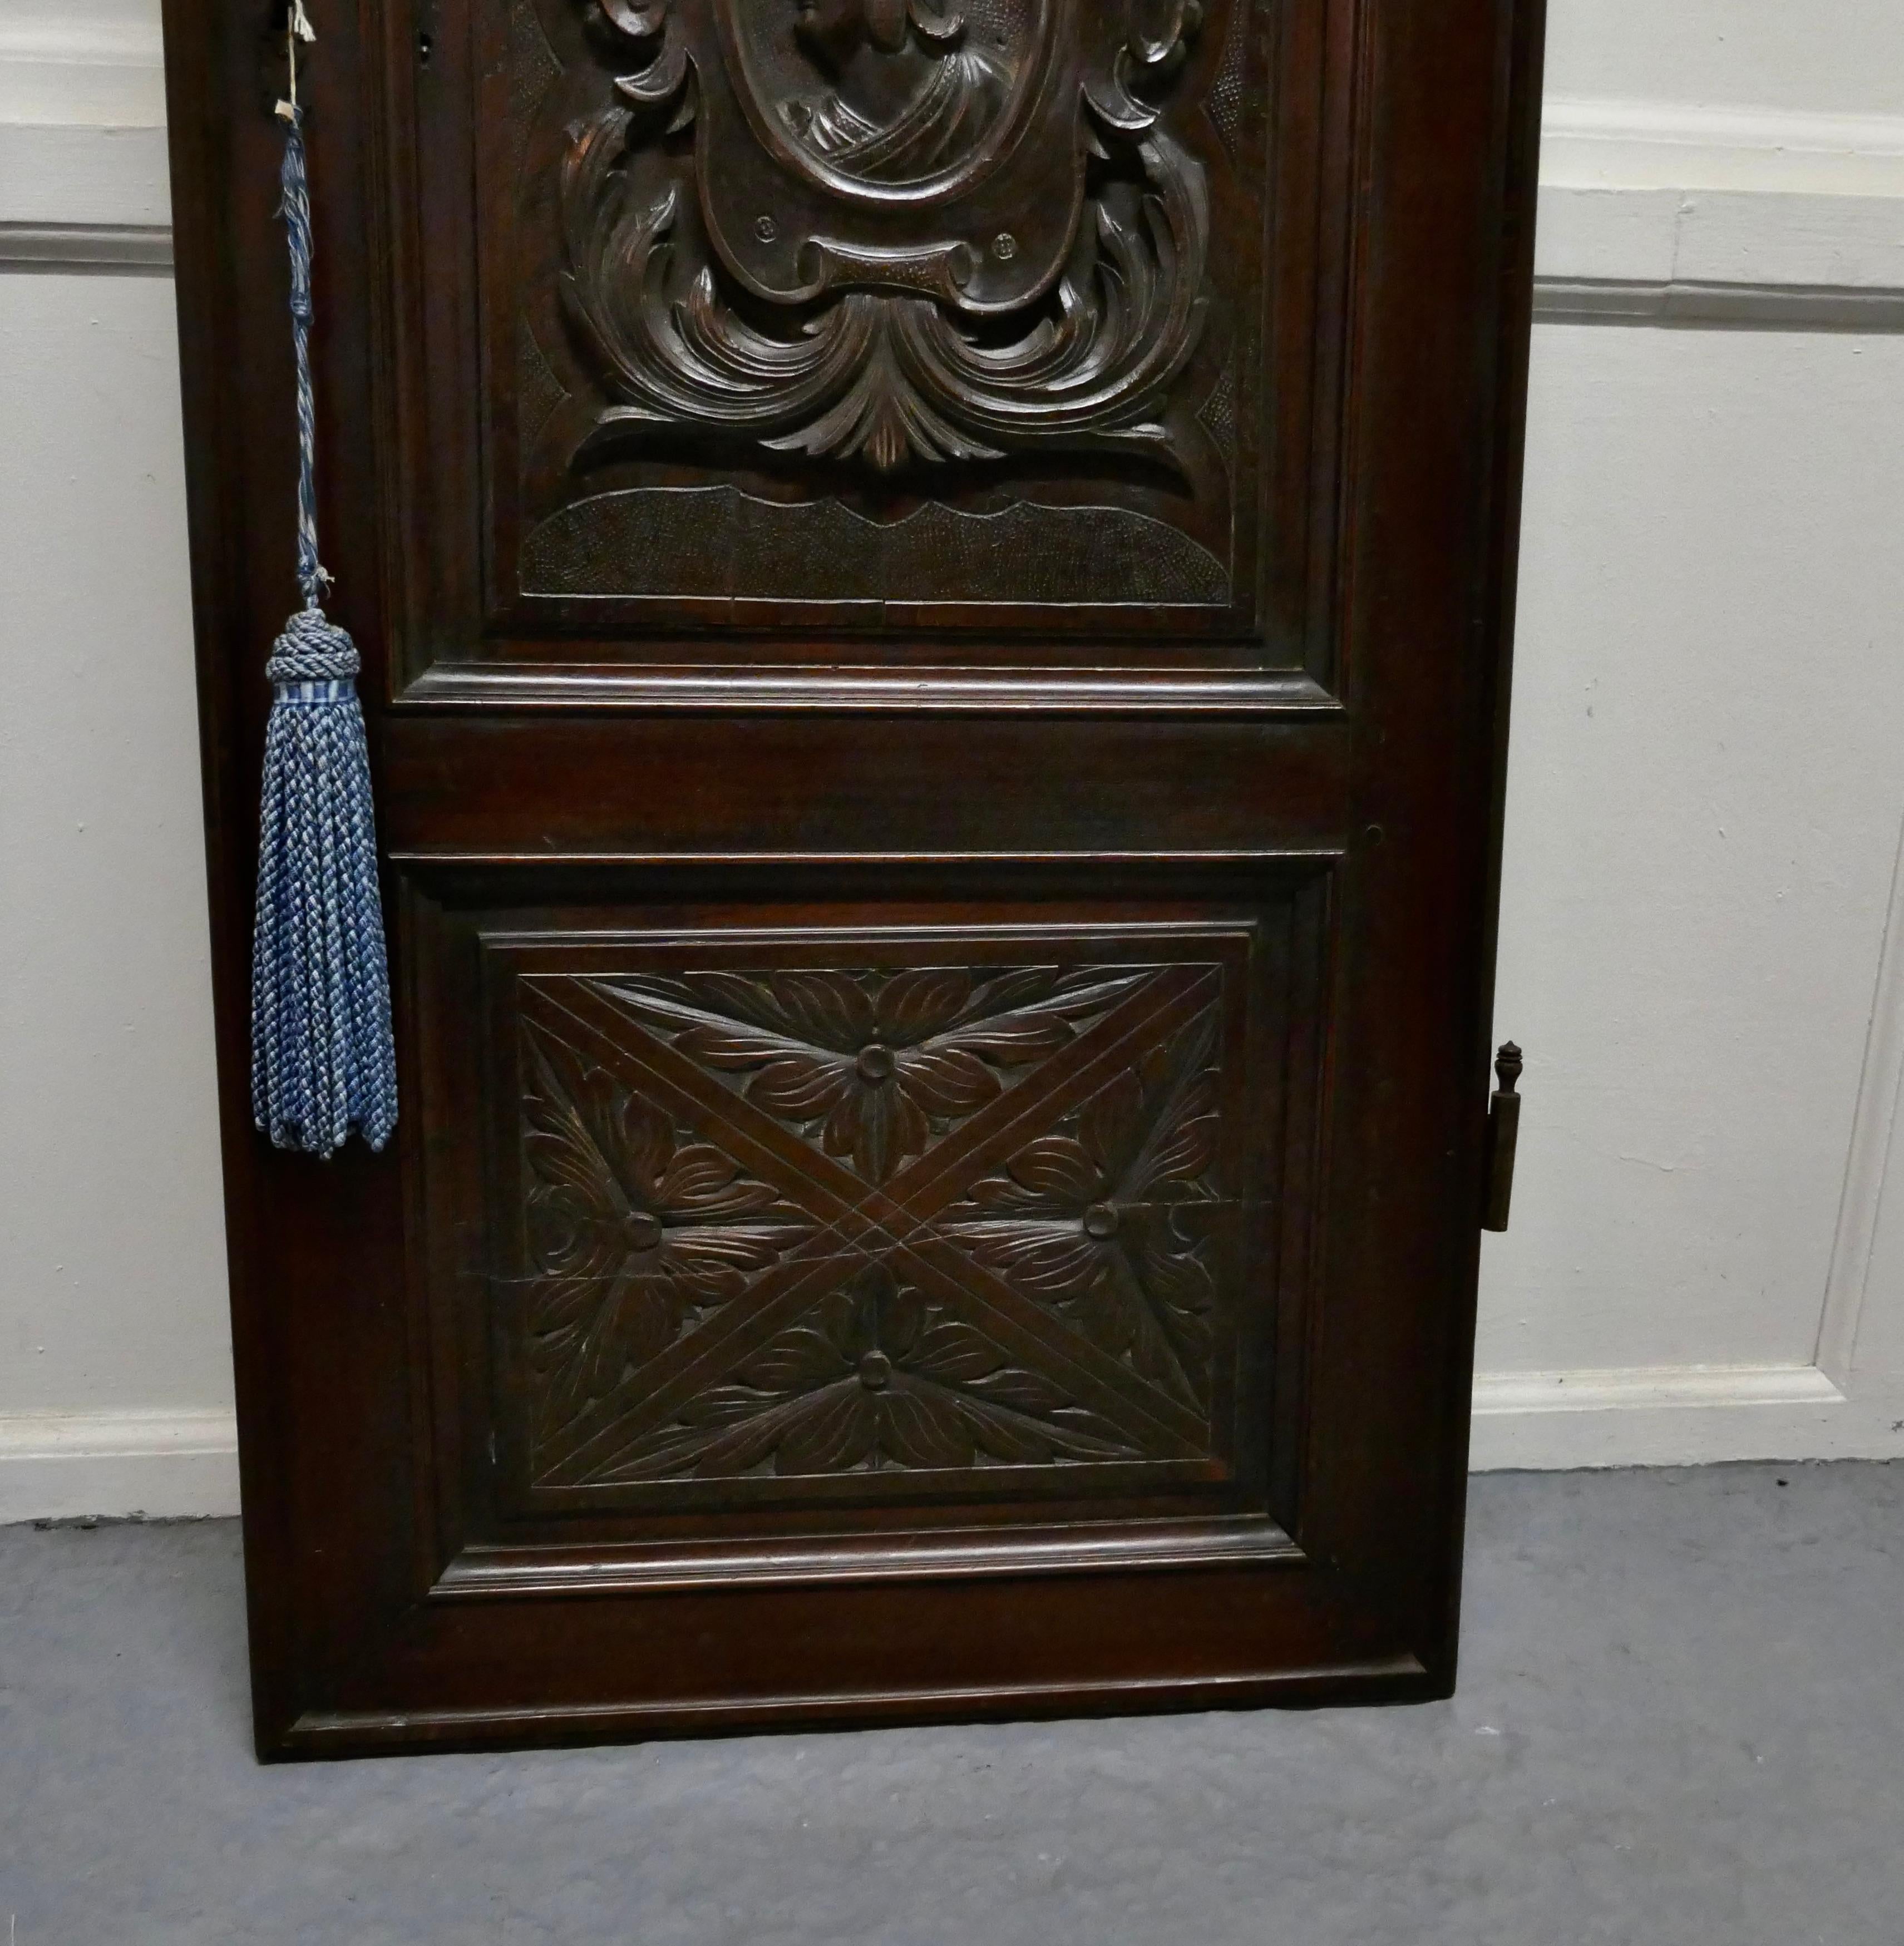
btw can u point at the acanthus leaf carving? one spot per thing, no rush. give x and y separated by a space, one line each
863 323
1102 1221
637 1233
874 1066
874 1377
985 1244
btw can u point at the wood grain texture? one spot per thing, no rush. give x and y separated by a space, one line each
945 1066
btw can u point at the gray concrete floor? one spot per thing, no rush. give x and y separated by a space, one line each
1681 1719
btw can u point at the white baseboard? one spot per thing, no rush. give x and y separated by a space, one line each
1678 1416
165 1464
170 1465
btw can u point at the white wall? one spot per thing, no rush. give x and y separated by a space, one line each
115 1358
1704 809
1836 57
1706 792
1703 823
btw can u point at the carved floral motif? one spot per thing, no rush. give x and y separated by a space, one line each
987 1246
875 1378
874 1064
637 1233
1102 1222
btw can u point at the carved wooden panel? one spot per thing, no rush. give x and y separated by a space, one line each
934 597
907 198
843 1214
872 313
801 1220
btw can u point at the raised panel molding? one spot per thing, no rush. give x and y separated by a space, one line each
844 1197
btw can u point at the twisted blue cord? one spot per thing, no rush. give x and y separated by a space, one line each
295 205
323 1061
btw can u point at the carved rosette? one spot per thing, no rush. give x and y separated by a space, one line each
851 245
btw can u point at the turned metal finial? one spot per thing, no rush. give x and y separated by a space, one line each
1504 1135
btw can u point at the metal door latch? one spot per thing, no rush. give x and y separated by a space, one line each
1503 1132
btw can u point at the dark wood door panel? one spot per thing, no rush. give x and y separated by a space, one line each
952 1263
1086 444
934 595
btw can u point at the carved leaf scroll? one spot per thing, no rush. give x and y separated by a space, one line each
895 352
1101 1220
639 1233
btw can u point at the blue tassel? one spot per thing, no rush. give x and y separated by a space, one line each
323 1059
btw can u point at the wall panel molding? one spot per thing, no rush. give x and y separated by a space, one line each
121 248
80 63
1669 213
66 175
1651 214
1737 307
1639 145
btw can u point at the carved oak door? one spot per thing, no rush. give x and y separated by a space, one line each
935 589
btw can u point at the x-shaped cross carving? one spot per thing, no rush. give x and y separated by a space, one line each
897 1222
